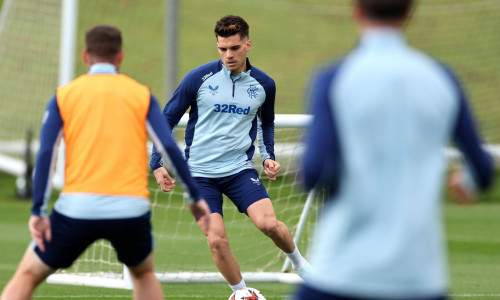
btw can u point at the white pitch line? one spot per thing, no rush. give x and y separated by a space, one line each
122 296
474 295
204 296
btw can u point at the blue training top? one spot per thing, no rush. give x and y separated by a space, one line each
223 120
382 117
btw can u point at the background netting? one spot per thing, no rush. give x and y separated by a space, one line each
290 38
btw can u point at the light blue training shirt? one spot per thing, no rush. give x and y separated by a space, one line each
223 119
382 117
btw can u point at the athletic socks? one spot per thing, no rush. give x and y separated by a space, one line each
296 258
299 263
238 286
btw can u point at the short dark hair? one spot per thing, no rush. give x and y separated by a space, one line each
386 10
103 41
231 25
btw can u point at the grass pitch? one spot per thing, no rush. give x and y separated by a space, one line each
473 239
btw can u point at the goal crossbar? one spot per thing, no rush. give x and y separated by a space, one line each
118 281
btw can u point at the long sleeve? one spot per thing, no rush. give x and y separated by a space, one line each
161 134
467 139
50 136
267 126
321 163
266 119
181 100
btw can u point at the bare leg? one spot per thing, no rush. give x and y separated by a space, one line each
146 286
221 253
262 215
30 273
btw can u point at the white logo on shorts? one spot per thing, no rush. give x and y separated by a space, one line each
255 180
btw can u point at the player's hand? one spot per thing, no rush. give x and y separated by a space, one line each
163 179
271 168
201 212
40 228
459 193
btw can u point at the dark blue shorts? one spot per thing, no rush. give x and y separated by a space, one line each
307 293
243 189
132 239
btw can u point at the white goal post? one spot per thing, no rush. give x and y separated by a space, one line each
14 15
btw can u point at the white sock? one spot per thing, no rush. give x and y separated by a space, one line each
296 258
239 285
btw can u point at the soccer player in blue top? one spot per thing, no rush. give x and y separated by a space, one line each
382 116
227 97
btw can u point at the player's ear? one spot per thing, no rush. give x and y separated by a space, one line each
85 57
357 12
249 45
119 57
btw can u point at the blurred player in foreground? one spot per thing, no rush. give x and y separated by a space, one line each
382 117
104 117
227 97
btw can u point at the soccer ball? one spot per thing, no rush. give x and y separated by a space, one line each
247 294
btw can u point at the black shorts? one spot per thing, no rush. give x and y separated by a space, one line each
132 239
243 189
305 292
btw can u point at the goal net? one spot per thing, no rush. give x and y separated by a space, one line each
29 37
290 38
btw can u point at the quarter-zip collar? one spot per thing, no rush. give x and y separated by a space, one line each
238 76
